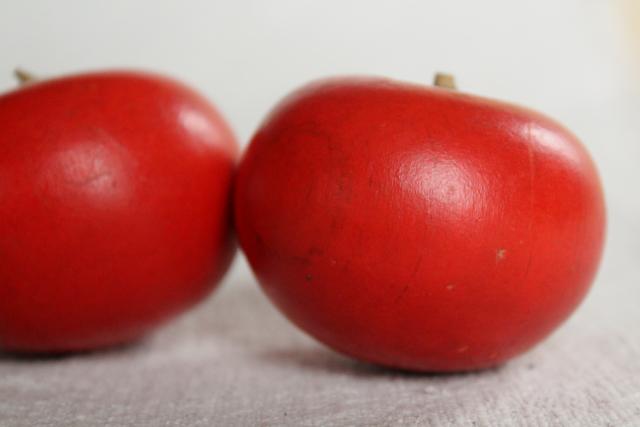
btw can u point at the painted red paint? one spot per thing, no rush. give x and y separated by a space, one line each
114 216
418 228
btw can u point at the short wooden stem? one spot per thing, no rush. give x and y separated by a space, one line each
445 81
24 77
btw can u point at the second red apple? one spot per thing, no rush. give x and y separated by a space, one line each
417 227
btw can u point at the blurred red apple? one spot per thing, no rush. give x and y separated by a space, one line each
114 190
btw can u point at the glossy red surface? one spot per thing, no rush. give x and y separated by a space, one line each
114 215
417 227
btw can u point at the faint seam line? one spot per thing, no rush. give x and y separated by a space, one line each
531 155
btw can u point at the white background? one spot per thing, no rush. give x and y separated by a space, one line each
576 60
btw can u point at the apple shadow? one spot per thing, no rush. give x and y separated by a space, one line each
325 361
46 357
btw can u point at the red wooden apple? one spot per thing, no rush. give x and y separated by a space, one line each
114 216
416 227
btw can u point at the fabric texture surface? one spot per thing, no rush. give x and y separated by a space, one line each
236 361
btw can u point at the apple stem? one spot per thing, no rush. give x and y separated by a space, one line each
445 81
24 77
